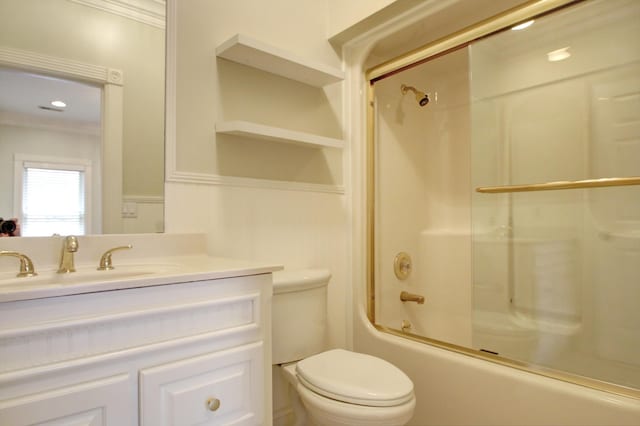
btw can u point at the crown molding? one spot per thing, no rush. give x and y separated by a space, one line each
150 12
46 123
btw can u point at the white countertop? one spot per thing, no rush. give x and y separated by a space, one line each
155 259
151 272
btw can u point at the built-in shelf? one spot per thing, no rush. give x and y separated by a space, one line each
276 134
247 51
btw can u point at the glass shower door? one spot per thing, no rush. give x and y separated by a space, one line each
422 183
506 201
556 255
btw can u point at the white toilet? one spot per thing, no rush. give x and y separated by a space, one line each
336 387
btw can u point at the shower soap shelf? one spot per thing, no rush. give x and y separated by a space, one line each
276 134
247 51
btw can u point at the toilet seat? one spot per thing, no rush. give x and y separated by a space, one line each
329 412
355 378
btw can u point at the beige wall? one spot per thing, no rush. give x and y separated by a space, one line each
68 30
295 228
343 14
211 89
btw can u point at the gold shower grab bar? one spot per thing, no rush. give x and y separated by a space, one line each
551 186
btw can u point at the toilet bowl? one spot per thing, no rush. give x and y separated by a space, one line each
334 387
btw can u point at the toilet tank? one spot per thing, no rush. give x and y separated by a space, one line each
299 314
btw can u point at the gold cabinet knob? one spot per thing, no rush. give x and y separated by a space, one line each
213 404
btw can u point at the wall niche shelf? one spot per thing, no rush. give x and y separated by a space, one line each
276 134
247 51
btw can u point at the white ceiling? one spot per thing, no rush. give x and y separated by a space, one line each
22 93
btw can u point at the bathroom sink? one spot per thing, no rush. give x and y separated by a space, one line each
82 276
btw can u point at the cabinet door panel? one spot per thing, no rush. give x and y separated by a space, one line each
105 402
176 394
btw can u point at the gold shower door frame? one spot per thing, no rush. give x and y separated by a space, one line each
453 42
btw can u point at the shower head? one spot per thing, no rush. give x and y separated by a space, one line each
421 97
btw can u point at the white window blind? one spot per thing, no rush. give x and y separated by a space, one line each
53 201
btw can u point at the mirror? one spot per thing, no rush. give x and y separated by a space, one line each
106 61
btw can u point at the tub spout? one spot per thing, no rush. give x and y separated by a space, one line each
408 297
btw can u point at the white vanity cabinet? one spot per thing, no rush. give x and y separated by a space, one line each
186 392
105 401
175 354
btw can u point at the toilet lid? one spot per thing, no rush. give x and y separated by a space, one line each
355 378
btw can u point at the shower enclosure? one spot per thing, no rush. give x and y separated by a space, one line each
504 173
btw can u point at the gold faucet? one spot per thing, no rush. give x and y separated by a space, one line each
69 247
26 265
105 261
408 297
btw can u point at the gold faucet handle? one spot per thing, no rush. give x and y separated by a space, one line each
105 261
26 265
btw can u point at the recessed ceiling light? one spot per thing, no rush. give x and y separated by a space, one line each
523 25
559 54
58 104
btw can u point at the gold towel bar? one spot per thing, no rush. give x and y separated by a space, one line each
551 186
